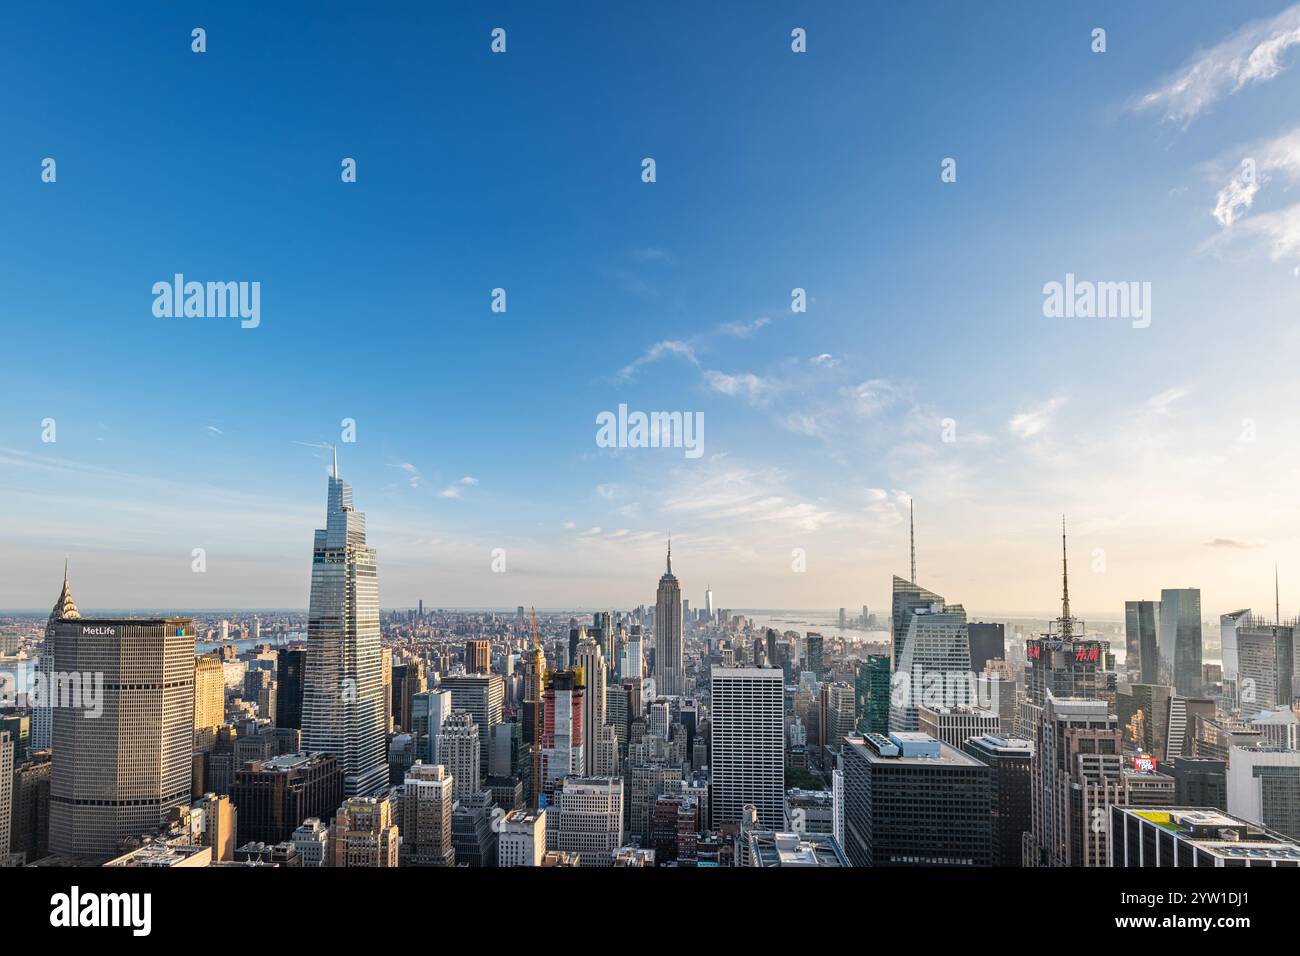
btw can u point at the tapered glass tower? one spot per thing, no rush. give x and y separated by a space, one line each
343 693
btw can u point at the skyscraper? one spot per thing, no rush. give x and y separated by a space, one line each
987 642
42 714
123 762
1141 626
587 819
426 817
747 724
1075 780
6 794
1180 640
289 667
563 732
669 673
478 656
592 661
345 710
458 750
911 800
483 696
934 666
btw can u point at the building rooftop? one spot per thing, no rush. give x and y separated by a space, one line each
1219 833
909 749
770 848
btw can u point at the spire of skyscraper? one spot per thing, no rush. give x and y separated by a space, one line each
1066 627
670 554
911 533
1277 600
335 449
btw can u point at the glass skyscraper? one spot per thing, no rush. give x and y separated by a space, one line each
343 693
1180 640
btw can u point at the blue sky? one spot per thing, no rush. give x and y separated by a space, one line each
775 170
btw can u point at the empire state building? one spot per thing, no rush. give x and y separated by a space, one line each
343 691
670 677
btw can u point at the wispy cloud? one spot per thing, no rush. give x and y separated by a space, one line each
1161 403
215 430
1028 424
1256 53
457 490
671 348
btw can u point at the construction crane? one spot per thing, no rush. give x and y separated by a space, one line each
538 680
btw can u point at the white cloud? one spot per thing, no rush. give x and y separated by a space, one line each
1254 54
1160 403
1035 421
666 349
753 388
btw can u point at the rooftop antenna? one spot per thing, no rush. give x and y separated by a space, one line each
1277 601
335 449
911 532
1066 626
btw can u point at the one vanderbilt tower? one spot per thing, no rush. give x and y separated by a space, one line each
343 693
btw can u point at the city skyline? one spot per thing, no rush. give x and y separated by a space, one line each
476 431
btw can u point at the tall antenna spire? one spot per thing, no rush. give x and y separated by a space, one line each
1066 623
65 571
336 461
911 533
670 553
1277 600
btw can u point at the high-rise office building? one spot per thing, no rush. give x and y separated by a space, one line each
1228 624
747 726
1199 782
364 834
669 670
1264 787
563 738
1141 641
521 840
29 835
911 800
427 801
1009 761
459 747
591 659
1179 640
586 818
42 714
1064 662
708 602
345 704
934 665
1266 663
124 764
429 711
836 723
871 694
273 796
209 701
953 725
907 597
311 841
988 642
290 666
816 656
6 795
483 697
1075 780
478 656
